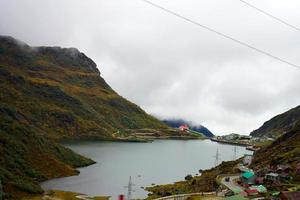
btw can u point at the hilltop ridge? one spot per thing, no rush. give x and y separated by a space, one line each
279 124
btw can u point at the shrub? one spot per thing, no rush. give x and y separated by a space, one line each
188 177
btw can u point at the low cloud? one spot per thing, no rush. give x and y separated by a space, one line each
171 68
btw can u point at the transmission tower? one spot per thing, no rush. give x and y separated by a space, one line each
217 157
234 152
130 188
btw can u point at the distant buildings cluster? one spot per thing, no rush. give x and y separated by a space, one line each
257 181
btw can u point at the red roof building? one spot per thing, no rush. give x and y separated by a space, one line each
184 127
251 192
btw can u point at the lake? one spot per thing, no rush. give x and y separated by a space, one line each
159 162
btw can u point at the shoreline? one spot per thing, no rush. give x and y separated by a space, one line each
229 142
157 138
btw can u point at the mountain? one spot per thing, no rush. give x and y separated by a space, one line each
284 150
48 94
279 124
286 147
61 93
176 123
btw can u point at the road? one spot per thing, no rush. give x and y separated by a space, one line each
231 184
204 195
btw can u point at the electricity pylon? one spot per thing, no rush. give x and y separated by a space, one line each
217 157
130 188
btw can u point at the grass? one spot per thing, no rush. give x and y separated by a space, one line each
204 183
204 198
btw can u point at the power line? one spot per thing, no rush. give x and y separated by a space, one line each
221 34
270 15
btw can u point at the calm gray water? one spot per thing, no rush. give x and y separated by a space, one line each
160 162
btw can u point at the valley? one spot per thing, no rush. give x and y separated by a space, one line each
63 128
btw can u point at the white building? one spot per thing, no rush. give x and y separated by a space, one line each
247 159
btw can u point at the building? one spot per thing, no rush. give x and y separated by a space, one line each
283 169
248 178
272 177
184 127
290 195
251 192
259 188
245 137
259 180
247 159
285 177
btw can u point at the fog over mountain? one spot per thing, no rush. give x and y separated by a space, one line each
170 68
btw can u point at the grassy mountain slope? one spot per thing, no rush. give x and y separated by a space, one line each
278 124
61 93
50 93
284 150
27 157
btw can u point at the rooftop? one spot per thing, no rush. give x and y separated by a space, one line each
248 174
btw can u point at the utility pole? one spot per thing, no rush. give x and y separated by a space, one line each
130 188
217 157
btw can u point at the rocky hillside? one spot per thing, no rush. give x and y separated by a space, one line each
50 93
279 124
176 123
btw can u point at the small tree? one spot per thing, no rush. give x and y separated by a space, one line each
188 177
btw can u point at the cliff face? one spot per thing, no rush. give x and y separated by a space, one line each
49 93
279 124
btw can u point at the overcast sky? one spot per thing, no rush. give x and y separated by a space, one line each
169 67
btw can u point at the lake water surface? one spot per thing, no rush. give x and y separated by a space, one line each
159 162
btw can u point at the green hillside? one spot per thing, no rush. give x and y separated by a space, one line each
28 158
52 93
279 124
61 92
284 150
